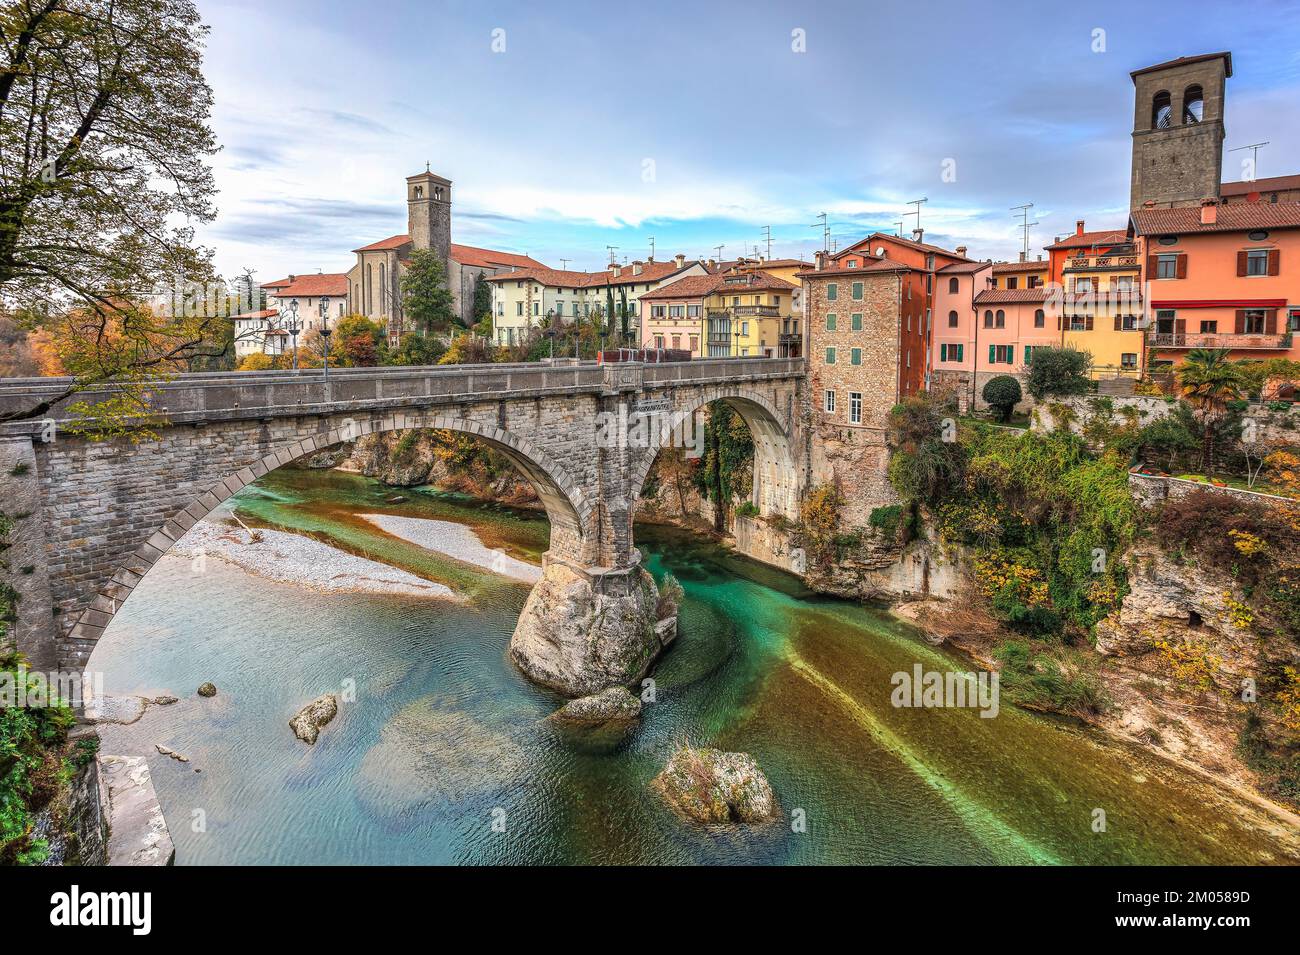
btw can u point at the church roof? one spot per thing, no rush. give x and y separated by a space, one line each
469 255
313 286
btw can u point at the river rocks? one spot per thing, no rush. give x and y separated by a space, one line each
715 788
207 689
614 705
165 699
580 634
307 723
168 751
330 457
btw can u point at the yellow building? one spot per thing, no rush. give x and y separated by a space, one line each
752 313
1017 275
1102 310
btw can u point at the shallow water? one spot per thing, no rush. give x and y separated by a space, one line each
444 737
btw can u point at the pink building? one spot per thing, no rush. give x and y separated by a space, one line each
673 316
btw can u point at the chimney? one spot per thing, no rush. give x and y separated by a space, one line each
1022 256
680 260
616 269
711 264
961 250
637 267
819 261
918 234
292 277
1209 211
1078 227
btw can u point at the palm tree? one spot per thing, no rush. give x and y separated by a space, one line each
1208 381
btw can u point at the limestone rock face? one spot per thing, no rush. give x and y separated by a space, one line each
579 637
614 705
1166 601
712 787
307 723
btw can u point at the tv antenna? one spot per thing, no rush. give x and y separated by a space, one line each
652 248
564 264
918 203
767 237
612 257
1024 228
1254 159
718 249
826 231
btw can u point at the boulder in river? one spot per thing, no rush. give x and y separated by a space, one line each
307 723
712 787
614 705
207 689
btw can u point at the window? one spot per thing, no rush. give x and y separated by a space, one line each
830 356
1129 323
1258 235
832 291
1001 354
856 291
1294 324
1122 283
829 403
1252 321
951 352
744 329
1000 320
952 319
1209 328
658 311
537 308
695 343
856 321
677 342
1167 265
519 308
1161 110
659 341
1040 319
1193 105
676 311
988 318
1029 352
1035 281
855 407
692 311
830 321
855 356
1012 282
1128 360
1257 262
1083 283
953 286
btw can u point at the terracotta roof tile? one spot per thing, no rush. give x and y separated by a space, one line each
392 242
313 286
1090 239
650 272
692 286
1273 184
490 258
1001 267
1011 296
1230 218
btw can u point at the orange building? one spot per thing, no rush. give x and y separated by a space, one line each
1221 277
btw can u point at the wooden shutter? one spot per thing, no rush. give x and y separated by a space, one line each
1119 324
1242 257
1152 264
1087 323
1274 261
1270 320
1182 265
1241 321
1180 326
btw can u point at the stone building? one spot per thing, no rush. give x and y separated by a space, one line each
374 283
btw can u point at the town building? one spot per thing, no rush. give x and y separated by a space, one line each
1017 275
750 313
374 282
523 298
1274 189
1221 277
674 316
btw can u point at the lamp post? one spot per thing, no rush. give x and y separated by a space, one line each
294 326
550 335
604 333
325 334
737 352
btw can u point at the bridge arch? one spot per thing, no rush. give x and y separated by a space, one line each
568 508
776 472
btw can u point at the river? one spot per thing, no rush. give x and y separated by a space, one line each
441 752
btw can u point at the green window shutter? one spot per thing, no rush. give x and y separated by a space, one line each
832 291
830 356
993 354
943 352
960 350
1028 350
857 290
857 321
830 321
855 356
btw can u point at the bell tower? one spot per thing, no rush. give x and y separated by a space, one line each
428 212
1178 130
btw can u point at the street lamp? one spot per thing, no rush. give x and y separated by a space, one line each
736 354
294 326
325 334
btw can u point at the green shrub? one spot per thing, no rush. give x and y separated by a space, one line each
887 520
1002 394
747 509
1059 372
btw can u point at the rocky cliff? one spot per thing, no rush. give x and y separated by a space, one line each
414 458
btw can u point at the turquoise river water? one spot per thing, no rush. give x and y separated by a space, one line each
443 737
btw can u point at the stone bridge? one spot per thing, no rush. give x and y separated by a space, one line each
91 517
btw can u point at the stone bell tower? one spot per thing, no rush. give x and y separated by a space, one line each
1178 130
428 212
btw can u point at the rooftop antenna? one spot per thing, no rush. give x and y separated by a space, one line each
1254 159
612 249
652 247
767 237
718 249
899 223
826 231
1024 227
564 264
918 203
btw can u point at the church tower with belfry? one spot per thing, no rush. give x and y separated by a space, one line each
1178 130
428 213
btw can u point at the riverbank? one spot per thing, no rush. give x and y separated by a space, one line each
303 561
456 541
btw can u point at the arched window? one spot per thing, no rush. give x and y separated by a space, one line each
1002 319
952 318
953 286
1193 105
1161 110
988 318
1040 319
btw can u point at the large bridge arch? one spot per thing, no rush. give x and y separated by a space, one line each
568 508
777 472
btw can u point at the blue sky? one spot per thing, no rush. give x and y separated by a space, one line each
607 123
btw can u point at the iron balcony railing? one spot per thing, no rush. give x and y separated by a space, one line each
1218 340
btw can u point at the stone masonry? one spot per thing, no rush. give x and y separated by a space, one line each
93 517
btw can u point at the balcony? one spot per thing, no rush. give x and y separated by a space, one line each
761 311
1101 262
1216 340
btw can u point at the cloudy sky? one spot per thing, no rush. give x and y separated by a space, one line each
567 127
